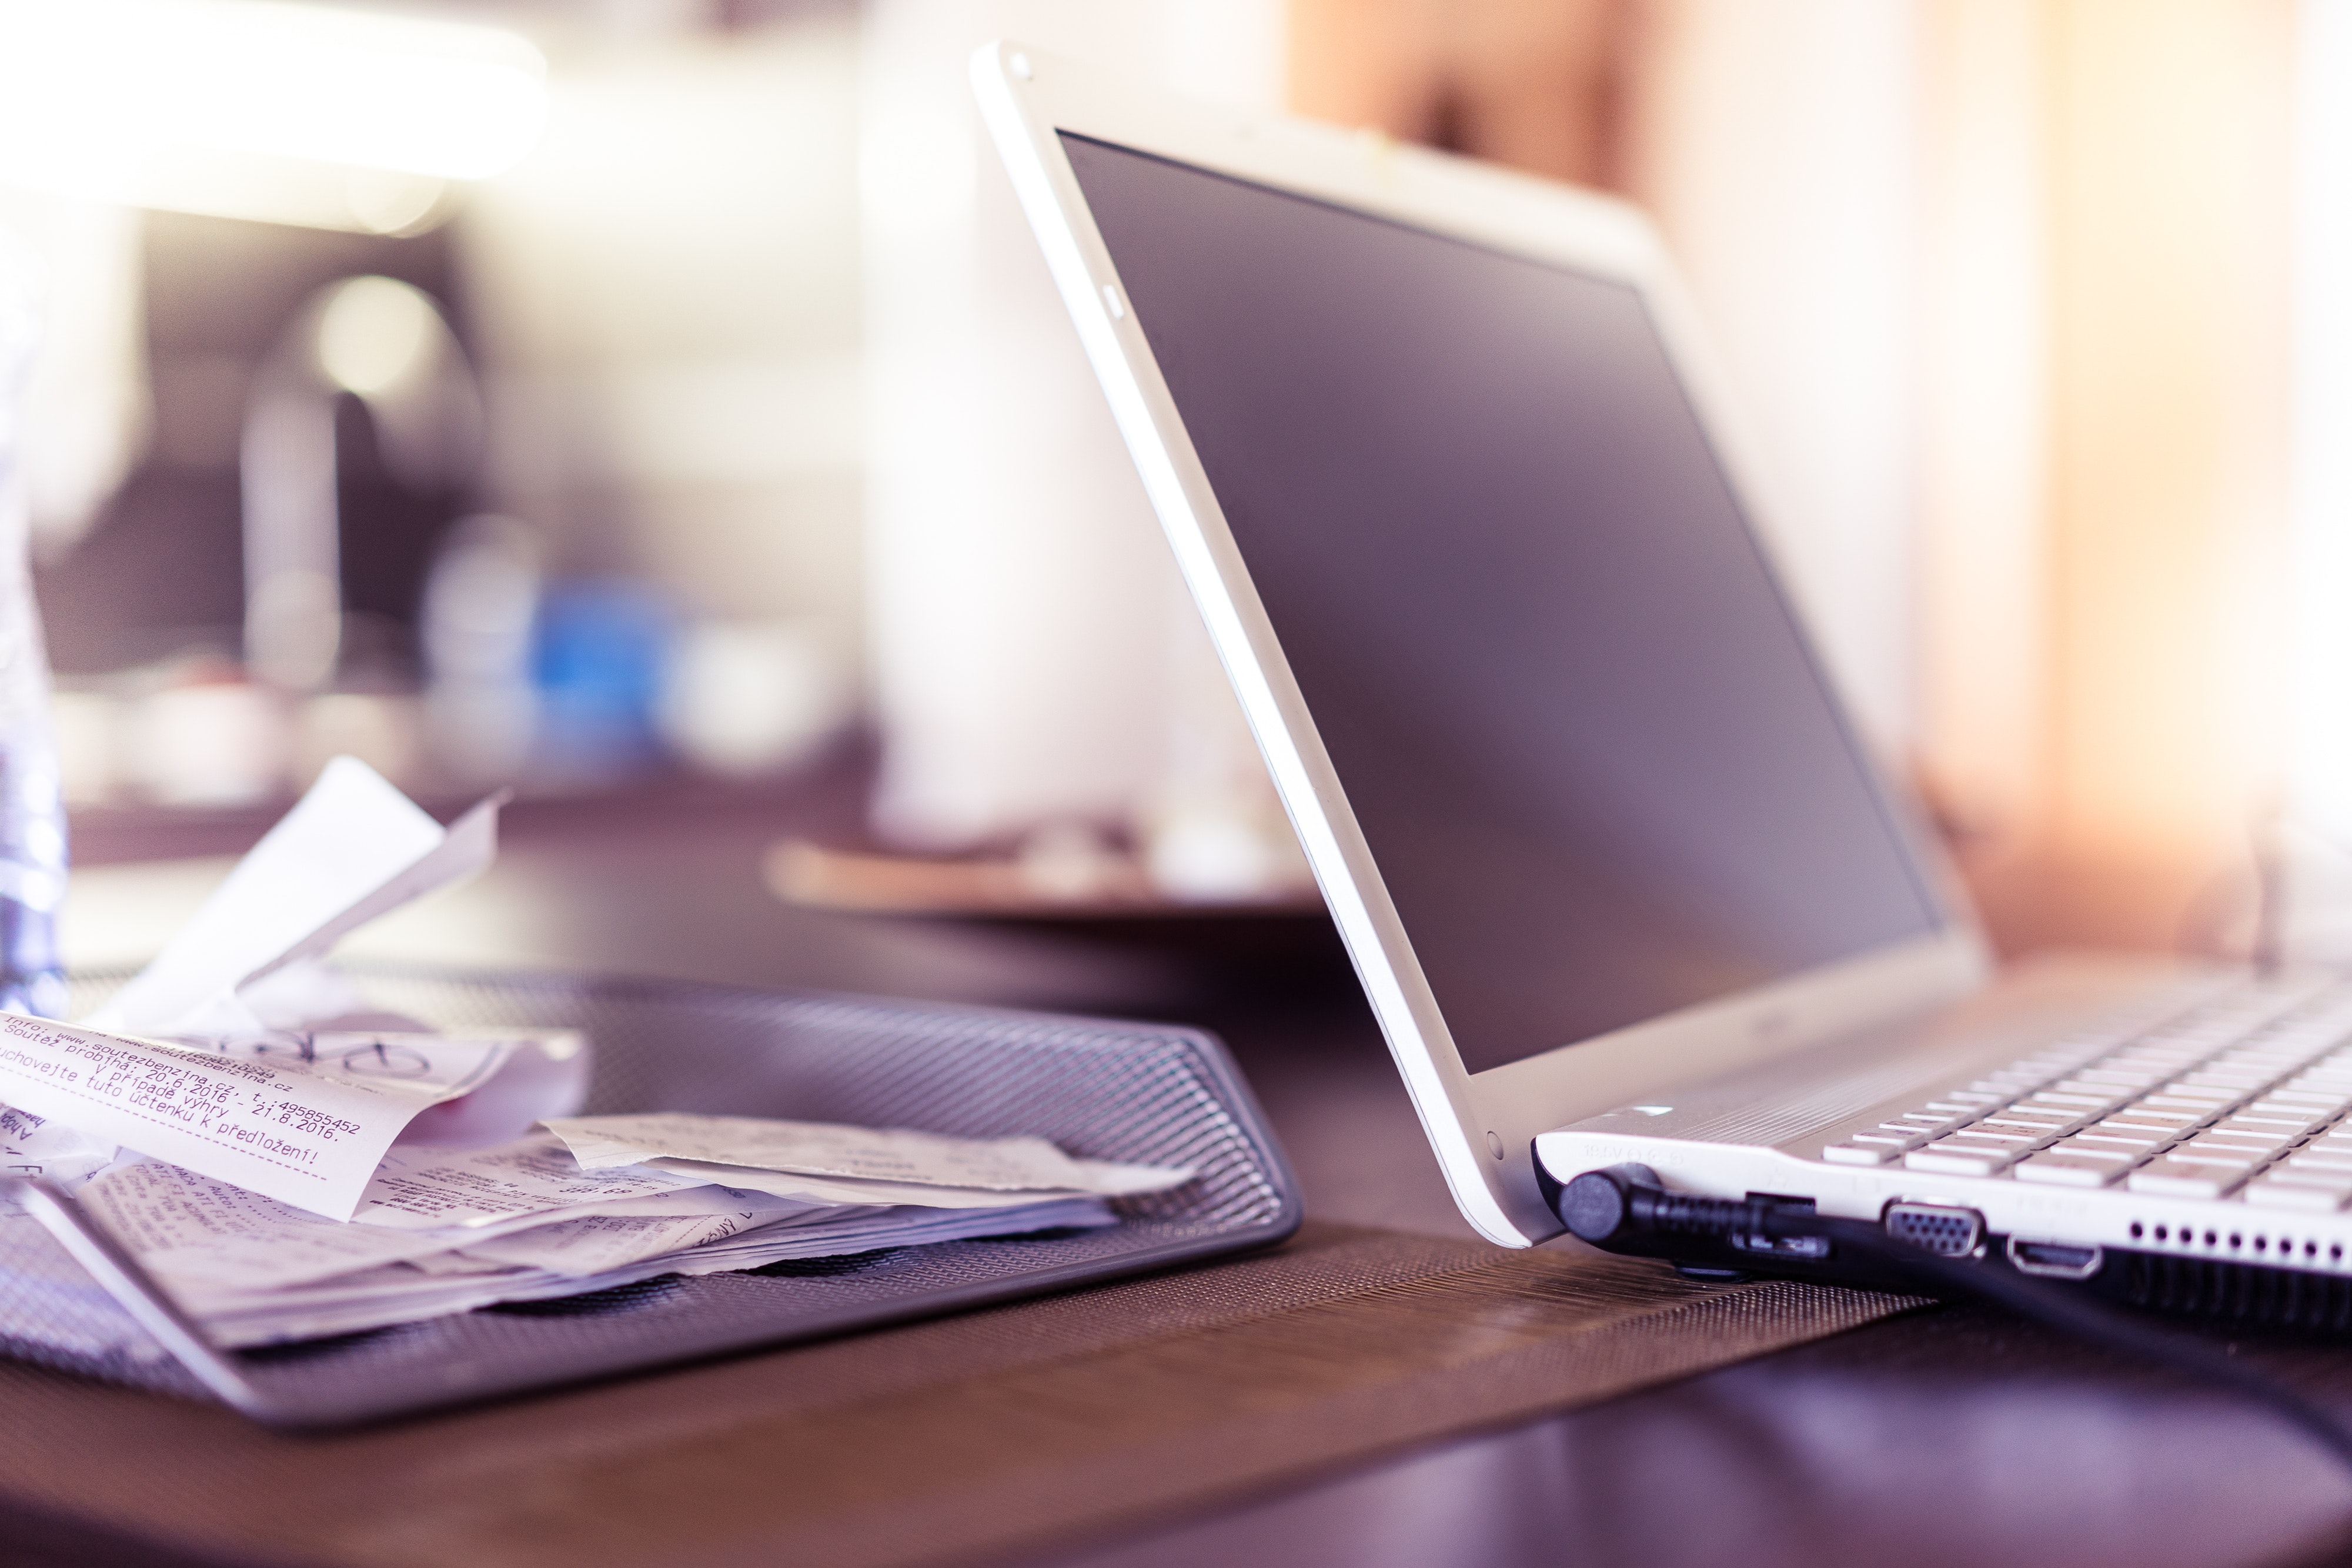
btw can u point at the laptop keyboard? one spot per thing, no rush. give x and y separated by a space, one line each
2241 1097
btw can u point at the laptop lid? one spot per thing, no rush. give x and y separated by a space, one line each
1442 465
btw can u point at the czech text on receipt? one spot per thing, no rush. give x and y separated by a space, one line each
304 1120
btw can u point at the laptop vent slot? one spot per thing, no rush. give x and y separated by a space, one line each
2235 1293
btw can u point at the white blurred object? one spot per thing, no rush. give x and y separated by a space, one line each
664 301
1210 851
287 113
1027 623
742 698
480 601
383 729
1070 863
1229 843
2319 771
88 726
385 342
32 814
86 411
1211 829
217 744
1777 147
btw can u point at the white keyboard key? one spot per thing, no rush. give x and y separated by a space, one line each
2092 1145
2272 1192
1859 1153
2252 1139
1942 1161
2056 1167
2219 1151
2138 1131
2184 1178
2341 1180
2117 1156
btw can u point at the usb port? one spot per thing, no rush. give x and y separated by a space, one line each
2054 1260
1944 1229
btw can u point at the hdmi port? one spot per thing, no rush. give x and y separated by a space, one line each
2054 1260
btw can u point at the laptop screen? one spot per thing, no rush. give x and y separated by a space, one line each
1570 705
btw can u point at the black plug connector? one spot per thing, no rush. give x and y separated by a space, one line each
1619 1204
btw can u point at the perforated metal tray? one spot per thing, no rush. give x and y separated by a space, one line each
1147 1093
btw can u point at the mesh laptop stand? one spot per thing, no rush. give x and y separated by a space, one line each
1137 1093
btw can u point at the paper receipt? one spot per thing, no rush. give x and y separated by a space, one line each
866 1153
304 1121
426 1188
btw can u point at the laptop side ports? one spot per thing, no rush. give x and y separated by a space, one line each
1945 1230
2054 1260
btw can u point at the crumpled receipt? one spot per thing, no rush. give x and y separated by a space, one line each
237 1055
199 1230
351 849
831 1163
418 1188
305 1120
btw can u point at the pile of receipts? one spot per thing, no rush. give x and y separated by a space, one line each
288 1166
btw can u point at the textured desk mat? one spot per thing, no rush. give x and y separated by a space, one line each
984 1437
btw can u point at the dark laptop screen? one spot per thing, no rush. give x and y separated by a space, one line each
1570 705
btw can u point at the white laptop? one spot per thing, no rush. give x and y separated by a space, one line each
1459 495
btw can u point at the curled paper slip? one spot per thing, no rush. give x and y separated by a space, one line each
546 1074
227 987
897 1156
30 1146
351 849
429 1188
803 1188
305 1120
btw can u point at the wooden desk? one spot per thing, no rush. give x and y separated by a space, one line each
1945 1436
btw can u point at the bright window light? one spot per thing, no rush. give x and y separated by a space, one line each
2320 775
288 112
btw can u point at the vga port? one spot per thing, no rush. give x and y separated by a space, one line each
1945 1230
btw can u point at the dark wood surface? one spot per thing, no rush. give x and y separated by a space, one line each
1944 1435
991 1436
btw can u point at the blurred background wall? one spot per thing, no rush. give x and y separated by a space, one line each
2037 310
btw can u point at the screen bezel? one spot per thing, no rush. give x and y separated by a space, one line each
1482 1125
